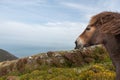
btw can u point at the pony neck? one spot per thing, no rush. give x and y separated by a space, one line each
113 47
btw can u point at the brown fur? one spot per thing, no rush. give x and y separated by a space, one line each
109 22
107 32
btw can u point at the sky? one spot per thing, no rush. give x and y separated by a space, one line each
28 27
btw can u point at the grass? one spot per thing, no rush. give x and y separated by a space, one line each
97 71
89 65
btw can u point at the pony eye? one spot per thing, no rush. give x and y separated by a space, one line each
87 28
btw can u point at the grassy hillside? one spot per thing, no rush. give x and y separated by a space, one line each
4 56
89 64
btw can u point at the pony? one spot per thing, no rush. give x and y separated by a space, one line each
103 28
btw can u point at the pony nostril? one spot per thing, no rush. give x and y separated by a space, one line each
77 46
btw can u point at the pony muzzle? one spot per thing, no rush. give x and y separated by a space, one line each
78 45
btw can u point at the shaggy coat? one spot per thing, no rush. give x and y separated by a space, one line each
103 28
108 22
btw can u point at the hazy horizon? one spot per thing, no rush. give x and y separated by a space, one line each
24 51
33 26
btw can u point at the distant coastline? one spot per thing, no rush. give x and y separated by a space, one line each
28 51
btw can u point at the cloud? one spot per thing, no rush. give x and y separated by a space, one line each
22 2
89 9
24 39
47 23
85 10
78 6
112 5
48 34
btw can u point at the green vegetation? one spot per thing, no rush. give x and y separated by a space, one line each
90 64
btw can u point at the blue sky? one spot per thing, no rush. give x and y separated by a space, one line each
28 27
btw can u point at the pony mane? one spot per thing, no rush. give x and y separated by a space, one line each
107 22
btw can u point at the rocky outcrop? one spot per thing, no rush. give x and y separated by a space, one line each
54 59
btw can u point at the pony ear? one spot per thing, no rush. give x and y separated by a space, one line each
112 27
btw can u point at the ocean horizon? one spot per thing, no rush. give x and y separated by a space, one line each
29 51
